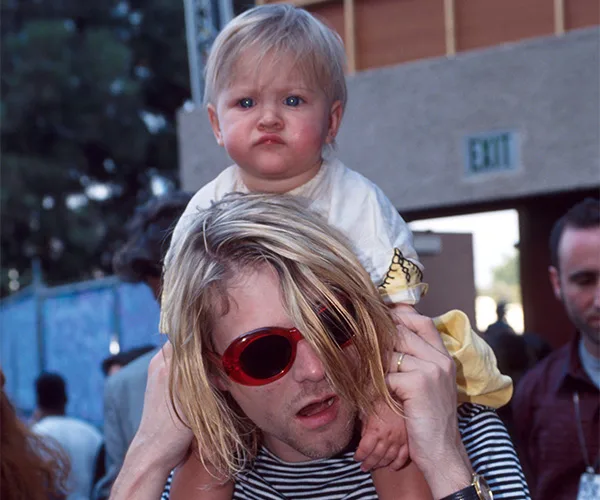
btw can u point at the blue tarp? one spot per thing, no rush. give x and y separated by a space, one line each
69 330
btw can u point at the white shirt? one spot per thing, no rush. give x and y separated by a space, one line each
81 442
352 204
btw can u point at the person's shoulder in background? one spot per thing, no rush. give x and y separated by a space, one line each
134 373
543 375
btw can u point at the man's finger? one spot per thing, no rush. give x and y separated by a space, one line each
414 345
425 328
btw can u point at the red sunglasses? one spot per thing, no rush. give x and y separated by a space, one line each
262 356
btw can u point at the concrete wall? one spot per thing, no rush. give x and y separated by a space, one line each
405 126
451 267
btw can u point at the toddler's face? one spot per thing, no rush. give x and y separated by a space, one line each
273 122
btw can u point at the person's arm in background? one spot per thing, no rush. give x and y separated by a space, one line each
114 437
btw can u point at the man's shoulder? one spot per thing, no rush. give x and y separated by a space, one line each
133 373
545 371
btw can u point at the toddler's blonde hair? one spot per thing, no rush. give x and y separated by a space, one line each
281 32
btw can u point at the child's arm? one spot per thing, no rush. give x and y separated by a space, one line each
384 442
192 481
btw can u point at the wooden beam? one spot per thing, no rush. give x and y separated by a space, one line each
297 3
450 27
350 35
559 17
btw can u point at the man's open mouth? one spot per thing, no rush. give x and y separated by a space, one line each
314 408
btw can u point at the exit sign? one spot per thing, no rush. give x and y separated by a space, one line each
491 152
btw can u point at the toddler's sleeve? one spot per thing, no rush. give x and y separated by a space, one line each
397 260
381 239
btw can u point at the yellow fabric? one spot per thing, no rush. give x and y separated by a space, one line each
477 375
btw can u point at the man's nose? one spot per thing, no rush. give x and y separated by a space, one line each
307 365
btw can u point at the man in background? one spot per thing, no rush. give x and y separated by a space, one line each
500 325
138 261
78 439
557 403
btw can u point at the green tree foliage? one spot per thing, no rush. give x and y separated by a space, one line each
89 96
506 284
508 271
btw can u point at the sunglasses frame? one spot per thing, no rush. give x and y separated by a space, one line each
231 357
230 360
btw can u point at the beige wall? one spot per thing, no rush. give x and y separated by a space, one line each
450 275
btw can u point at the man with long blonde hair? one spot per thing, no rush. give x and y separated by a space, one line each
278 342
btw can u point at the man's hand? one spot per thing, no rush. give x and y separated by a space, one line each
423 378
384 442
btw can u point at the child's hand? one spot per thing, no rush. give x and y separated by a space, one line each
384 442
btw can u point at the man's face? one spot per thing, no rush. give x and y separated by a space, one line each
300 415
577 281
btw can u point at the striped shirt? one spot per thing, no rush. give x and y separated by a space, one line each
488 445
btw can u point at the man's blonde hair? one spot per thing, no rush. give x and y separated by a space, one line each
315 266
282 32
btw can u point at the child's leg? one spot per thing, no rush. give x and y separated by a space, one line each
406 483
192 480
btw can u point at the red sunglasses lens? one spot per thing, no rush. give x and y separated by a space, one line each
266 356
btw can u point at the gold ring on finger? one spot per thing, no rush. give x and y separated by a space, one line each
399 362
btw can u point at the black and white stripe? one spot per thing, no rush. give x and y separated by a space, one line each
491 451
485 438
488 445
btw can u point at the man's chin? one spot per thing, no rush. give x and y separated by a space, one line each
330 442
327 447
592 333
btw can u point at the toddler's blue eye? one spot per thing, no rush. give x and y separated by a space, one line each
293 100
246 102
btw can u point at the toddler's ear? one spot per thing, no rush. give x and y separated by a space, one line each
335 120
214 123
